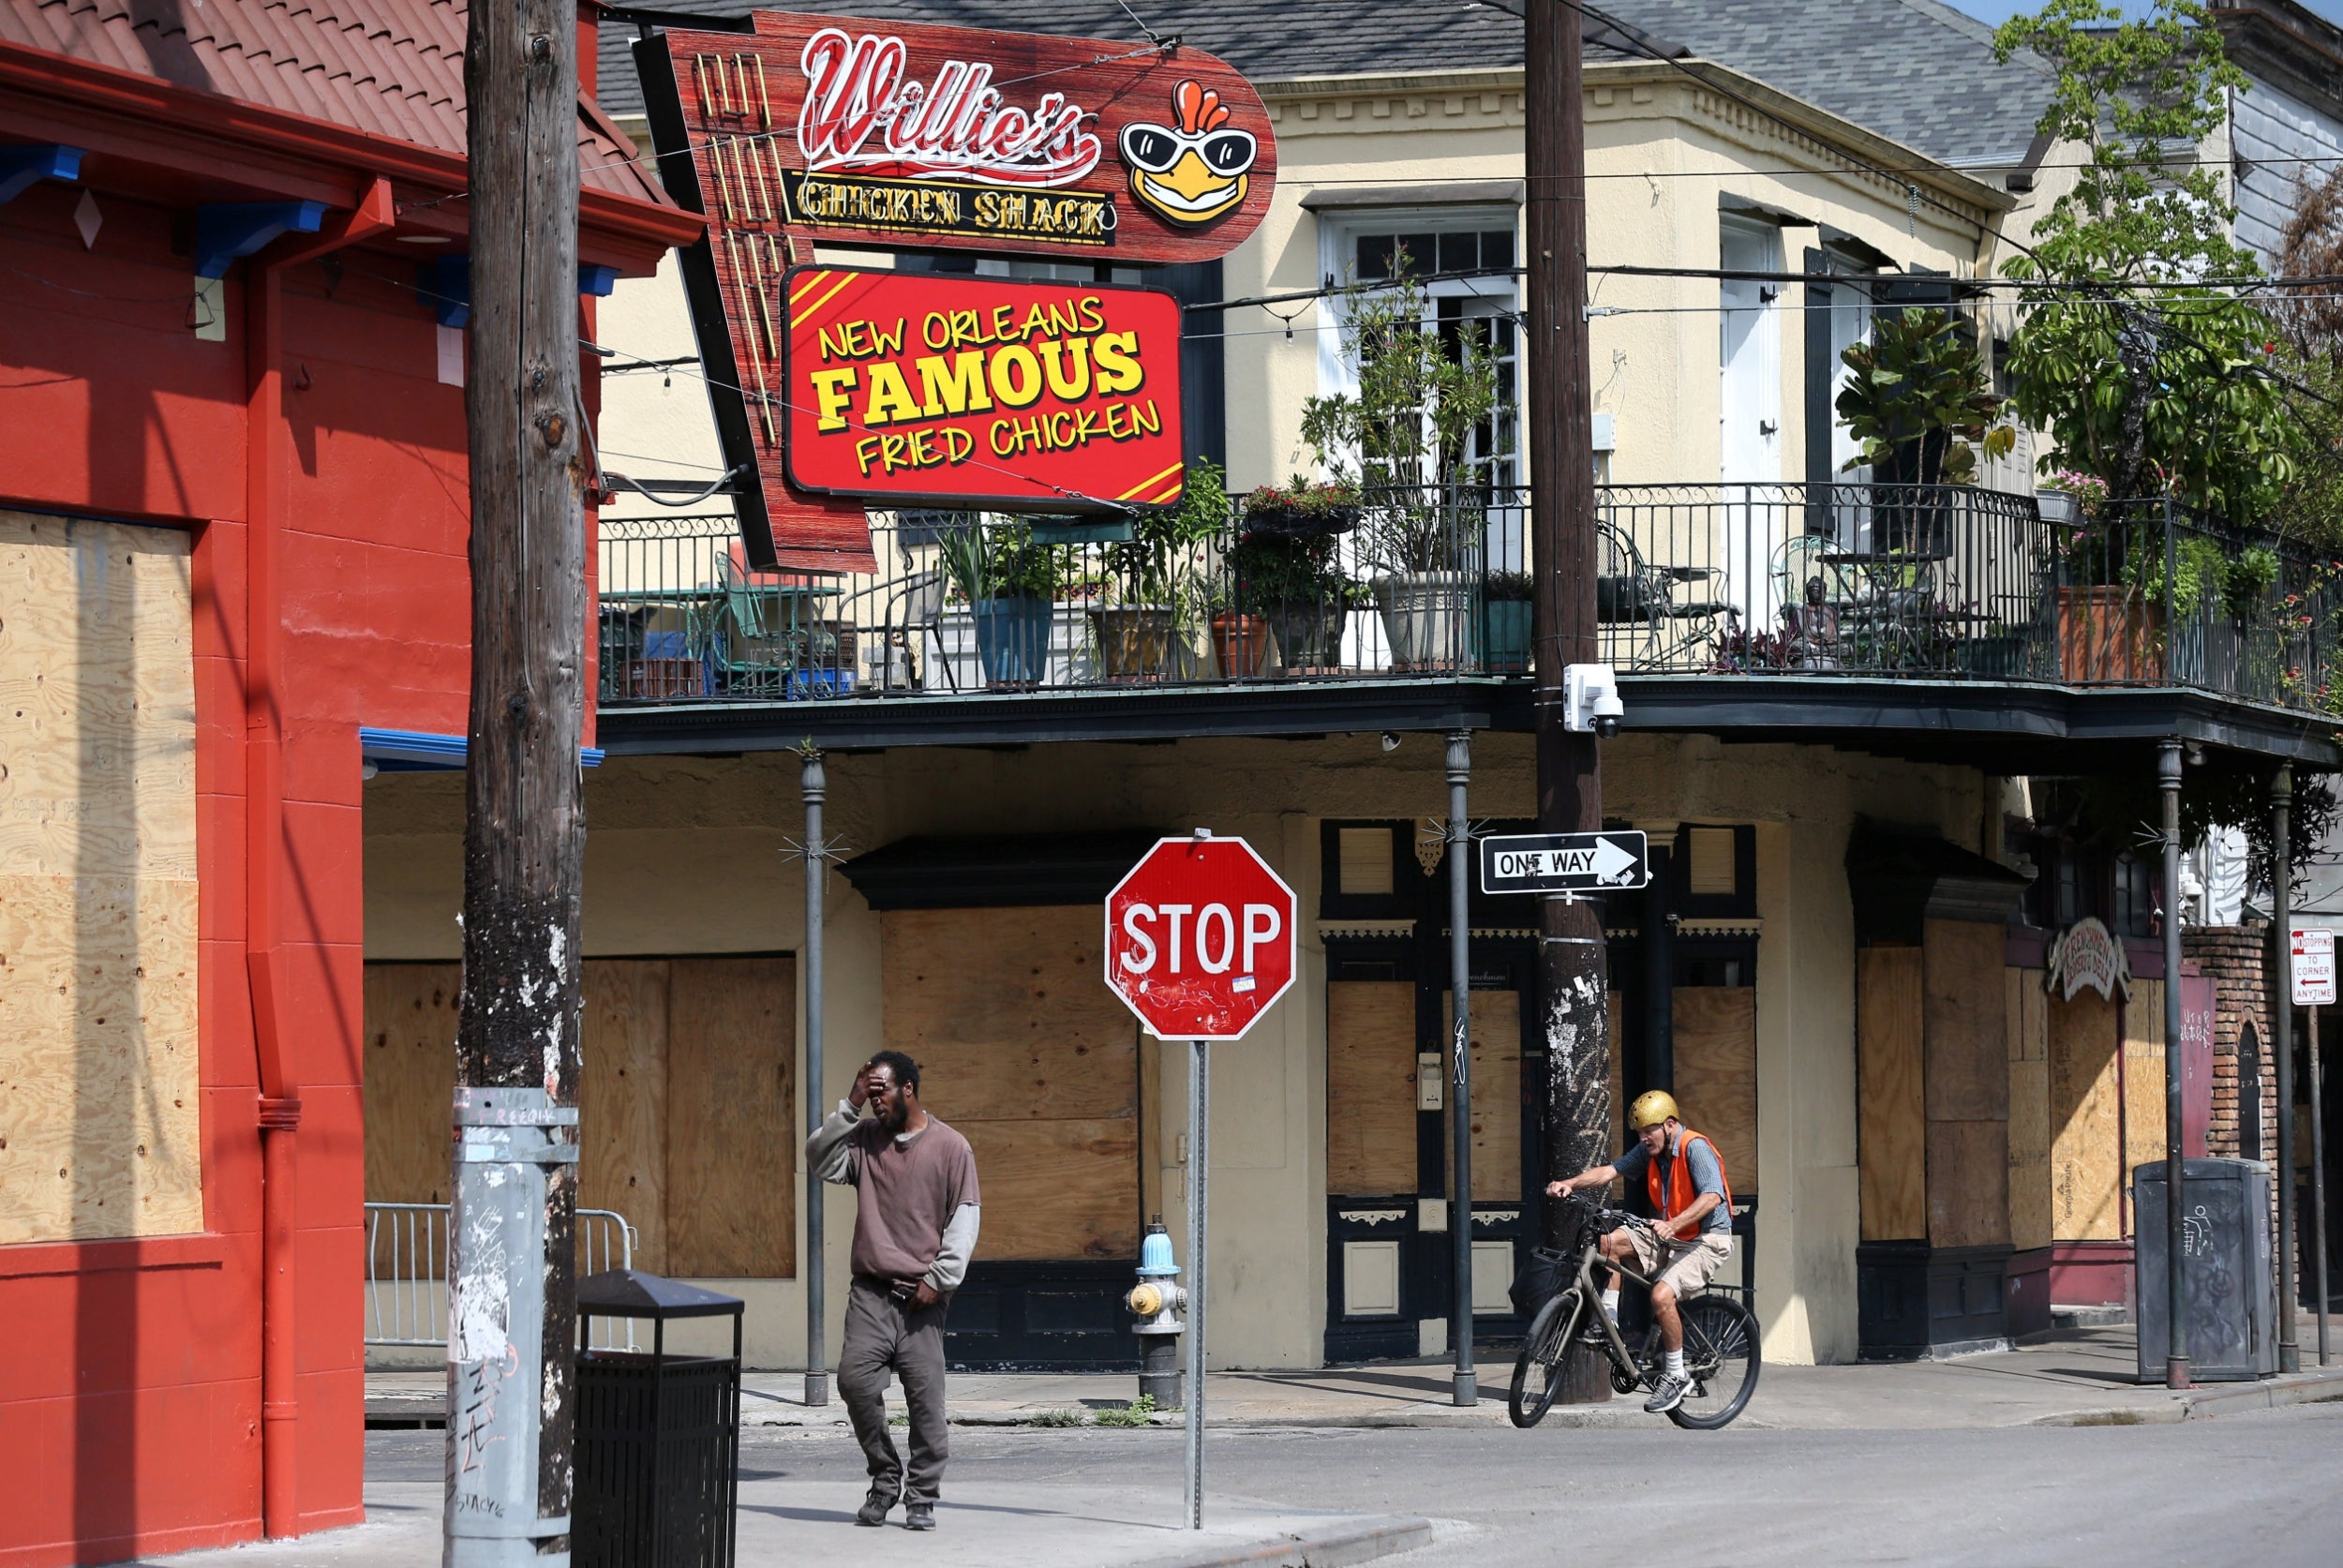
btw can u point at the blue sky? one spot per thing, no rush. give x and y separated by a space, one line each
2001 10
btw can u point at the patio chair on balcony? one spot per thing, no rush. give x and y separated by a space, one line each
772 638
1645 626
910 619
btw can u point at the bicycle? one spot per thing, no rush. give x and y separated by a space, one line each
1721 1353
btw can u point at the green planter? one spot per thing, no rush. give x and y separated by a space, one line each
1505 637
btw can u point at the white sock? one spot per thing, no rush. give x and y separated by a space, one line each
1610 1305
1676 1364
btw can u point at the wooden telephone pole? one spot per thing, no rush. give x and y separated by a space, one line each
1573 985
512 1282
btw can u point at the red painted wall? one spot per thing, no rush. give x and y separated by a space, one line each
129 1371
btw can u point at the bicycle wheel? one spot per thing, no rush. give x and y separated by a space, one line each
1540 1364
1721 1355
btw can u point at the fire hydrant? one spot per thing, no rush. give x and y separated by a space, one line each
1158 1302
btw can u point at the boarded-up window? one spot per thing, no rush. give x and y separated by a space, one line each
2085 1118
687 1119
1370 1087
1716 1074
1892 1131
1365 860
99 1107
1023 1050
1708 871
1494 1019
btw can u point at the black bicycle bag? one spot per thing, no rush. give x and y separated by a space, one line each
1542 1278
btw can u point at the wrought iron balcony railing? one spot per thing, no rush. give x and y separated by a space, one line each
1905 582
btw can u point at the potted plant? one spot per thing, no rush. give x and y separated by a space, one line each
1300 508
1152 573
1505 615
1299 589
1407 437
1920 407
1009 584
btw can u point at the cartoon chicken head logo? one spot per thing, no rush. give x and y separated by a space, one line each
1194 173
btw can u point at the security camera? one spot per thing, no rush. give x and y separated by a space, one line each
1607 711
1591 700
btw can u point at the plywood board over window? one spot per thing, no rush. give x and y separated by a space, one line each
99 1107
2085 1118
1892 1127
687 1120
1023 1050
1370 1088
2028 1011
1716 1074
1494 1022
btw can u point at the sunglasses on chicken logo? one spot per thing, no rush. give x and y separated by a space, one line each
1156 149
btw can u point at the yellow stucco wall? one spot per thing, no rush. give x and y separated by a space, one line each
688 856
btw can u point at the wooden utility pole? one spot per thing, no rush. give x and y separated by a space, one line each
513 1287
1572 984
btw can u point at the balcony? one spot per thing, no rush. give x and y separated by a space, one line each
1889 596
1903 582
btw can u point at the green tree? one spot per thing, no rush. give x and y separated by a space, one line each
2144 376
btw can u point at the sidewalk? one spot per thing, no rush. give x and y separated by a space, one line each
2081 1377
1065 1526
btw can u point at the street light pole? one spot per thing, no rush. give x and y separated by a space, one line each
2175 1209
815 782
1572 980
2282 1048
1467 1390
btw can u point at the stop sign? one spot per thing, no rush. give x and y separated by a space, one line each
1199 938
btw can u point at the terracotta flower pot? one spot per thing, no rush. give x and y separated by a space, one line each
2108 633
1240 642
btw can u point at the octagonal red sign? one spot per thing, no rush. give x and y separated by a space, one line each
1200 939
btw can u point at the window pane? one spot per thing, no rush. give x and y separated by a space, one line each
1374 257
1459 253
1497 248
1418 253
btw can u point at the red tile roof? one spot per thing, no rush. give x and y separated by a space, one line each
386 68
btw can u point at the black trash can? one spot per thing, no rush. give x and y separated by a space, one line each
2226 1280
658 1435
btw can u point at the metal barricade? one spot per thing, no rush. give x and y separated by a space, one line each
406 1271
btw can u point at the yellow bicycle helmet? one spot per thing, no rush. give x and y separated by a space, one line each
1651 1107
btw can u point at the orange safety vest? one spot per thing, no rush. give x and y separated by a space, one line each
1675 1194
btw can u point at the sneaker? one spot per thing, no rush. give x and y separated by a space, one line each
874 1507
920 1516
1668 1393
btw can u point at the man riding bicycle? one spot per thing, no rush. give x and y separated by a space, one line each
1692 1236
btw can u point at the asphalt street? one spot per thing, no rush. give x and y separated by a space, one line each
2259 1488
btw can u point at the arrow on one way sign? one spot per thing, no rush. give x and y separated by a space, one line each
1564 862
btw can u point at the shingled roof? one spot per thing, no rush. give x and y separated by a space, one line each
385 68
1306 37
1914 71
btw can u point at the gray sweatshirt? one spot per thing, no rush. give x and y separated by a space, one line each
917 1214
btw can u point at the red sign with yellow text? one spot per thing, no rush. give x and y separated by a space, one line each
978 391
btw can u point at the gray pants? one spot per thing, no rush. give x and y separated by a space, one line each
881 1334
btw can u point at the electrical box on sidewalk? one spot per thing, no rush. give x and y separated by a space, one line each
2228 1289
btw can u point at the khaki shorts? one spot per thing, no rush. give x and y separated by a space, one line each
1682 1267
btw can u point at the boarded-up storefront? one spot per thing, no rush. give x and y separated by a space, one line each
687 1103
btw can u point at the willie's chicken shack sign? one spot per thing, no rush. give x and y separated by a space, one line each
874 134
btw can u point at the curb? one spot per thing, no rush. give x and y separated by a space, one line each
1337 1544
2205 1404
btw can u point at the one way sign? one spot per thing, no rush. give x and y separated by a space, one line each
1563 862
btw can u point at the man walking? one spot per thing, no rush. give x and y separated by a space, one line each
915 1228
